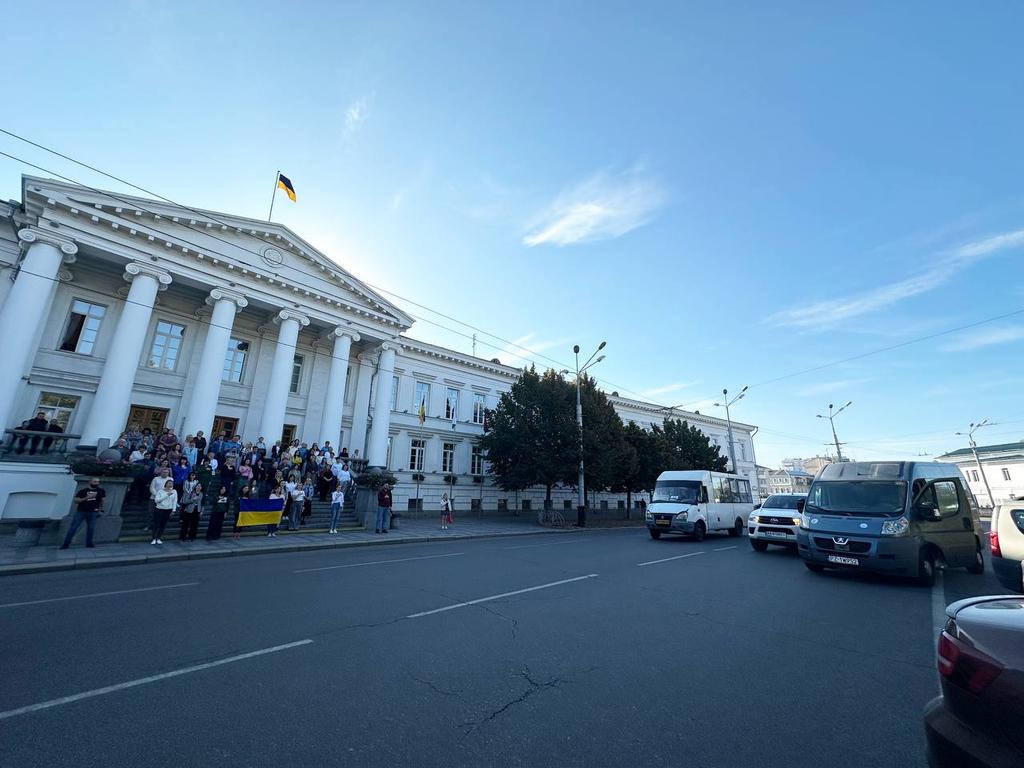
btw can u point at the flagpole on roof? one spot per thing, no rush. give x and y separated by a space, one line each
277 177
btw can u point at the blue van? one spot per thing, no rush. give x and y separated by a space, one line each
903 518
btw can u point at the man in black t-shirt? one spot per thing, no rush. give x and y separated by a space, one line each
90 504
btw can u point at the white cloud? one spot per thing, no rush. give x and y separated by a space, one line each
601 207
985 337
674 387
826 387
355 115
831 312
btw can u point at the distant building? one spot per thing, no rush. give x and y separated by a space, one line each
1004 468
812 466
762 481
789 481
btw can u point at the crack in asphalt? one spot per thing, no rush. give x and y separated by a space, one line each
436 688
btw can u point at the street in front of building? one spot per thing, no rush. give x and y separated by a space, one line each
599 647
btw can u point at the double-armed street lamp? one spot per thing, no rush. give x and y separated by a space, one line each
728 420
581 508
974 449
831 416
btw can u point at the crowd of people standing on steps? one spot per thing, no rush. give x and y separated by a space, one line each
194 477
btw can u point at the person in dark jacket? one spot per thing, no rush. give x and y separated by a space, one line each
228 477
383 508
220 510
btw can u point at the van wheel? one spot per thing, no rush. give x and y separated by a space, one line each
814 567
926 569
737 529
978 566
758 545
654 534
699 531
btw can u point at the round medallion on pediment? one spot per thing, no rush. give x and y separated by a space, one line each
273 257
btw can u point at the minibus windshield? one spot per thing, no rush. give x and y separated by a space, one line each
677 491
858 497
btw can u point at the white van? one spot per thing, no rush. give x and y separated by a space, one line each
697 502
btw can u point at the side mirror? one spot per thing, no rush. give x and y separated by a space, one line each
800 504
757 506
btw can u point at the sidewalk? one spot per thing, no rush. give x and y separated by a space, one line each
14 560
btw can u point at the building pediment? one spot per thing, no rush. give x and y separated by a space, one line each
267 251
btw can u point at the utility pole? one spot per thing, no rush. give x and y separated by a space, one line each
474 345
831 416
728 421
581 509
974 449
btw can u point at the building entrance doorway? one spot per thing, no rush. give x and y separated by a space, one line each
144 416
226 424
288 434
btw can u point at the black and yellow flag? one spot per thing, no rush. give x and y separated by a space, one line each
285 183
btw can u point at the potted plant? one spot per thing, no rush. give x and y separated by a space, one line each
450 479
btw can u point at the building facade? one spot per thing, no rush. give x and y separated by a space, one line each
118 310
1003 466
794 480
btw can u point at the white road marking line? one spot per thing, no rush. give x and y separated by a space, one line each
379 562
666 559
498 597
722 549
144 680
548 544
98 594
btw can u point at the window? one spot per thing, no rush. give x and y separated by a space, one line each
479 406
58 408
83 327
1006 473
743 451
422 397
974 475
448 457
416 451
476 461
387 462
949 501
394 393
166 345
451 404
348 382
234 361
297 362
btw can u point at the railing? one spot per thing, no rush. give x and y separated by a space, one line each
43 447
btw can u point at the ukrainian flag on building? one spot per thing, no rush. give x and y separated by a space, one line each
285 183
260 511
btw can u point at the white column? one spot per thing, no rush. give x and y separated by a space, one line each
25 310
206 386
272 423
361 408
377 449
330 424
110 406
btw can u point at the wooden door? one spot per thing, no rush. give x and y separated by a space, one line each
288 434
144 416
225 424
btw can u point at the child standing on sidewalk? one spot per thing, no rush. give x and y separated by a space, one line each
446 512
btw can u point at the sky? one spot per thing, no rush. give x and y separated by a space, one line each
820 201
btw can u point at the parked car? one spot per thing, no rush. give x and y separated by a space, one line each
1006 542
776 521
976 722
892 517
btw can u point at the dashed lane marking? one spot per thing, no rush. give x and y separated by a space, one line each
379 562
498 597
667 559
97 594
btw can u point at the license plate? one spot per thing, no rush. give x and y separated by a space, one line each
775 534
664 522
843 560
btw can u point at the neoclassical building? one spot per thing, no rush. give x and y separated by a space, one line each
117 309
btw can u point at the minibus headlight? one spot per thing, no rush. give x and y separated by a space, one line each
681 516
896 527
805 522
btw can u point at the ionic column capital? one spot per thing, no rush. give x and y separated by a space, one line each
31 235
220 294
342 331
291 314
136 268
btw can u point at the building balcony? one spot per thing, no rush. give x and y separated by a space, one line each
37 447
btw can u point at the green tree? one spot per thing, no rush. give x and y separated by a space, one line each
682 447
641 472
607 457
530 437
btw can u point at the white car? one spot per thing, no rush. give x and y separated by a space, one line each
776 521
1006 542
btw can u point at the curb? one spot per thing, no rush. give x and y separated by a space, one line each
170 557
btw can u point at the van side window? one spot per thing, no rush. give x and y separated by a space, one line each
716 485
948 498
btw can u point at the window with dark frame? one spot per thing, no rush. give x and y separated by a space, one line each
83 327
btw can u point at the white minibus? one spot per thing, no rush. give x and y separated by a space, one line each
693 503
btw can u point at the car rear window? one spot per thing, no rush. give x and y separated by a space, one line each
1017 515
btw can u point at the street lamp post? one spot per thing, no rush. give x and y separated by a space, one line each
728 421
974 449
831 416
581 508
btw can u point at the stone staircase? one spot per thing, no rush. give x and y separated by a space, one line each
137 521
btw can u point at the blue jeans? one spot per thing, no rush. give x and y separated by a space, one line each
335 514
89 518
382 518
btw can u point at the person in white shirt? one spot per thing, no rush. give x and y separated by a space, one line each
166 501
337 503
298 496
341 471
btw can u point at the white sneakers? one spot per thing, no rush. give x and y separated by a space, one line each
333 530
157 541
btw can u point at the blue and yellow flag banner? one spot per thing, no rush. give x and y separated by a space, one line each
260 511
285 183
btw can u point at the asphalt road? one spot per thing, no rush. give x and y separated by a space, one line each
718 657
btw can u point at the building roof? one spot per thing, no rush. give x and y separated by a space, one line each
1001 448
